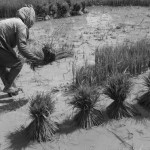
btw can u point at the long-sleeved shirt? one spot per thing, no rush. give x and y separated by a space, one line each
13 32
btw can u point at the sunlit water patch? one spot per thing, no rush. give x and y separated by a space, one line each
99 20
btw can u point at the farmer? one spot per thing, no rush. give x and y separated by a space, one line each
15 32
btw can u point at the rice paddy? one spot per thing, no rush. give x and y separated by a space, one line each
8 8
110 77
132 59
112 72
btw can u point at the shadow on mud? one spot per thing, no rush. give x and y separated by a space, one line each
70 125
12 105
18 140
143 117
67 126
3 97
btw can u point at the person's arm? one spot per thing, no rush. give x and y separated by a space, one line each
22 43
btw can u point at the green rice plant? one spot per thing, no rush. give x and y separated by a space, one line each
8 8
41 128
137 55
49 55
117 88
132 59
64 51
105 64
84 75
126 58
144 100
85 100
119 2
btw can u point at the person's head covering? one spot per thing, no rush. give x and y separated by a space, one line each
27 15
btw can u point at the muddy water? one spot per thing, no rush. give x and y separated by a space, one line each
103 25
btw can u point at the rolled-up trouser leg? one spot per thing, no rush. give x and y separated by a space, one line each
3 75
14 71
8 59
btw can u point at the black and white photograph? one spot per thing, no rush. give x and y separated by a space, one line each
74 74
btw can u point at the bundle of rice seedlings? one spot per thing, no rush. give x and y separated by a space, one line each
42 128
117 88
49 55
144 100
87 114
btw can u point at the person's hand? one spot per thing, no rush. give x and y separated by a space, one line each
33 64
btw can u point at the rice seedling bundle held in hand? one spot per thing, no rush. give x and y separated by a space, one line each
41 128
117 88
85 100
49 55
144 100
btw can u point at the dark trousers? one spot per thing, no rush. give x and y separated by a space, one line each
9 60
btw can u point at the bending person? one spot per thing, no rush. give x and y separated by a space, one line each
15 32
